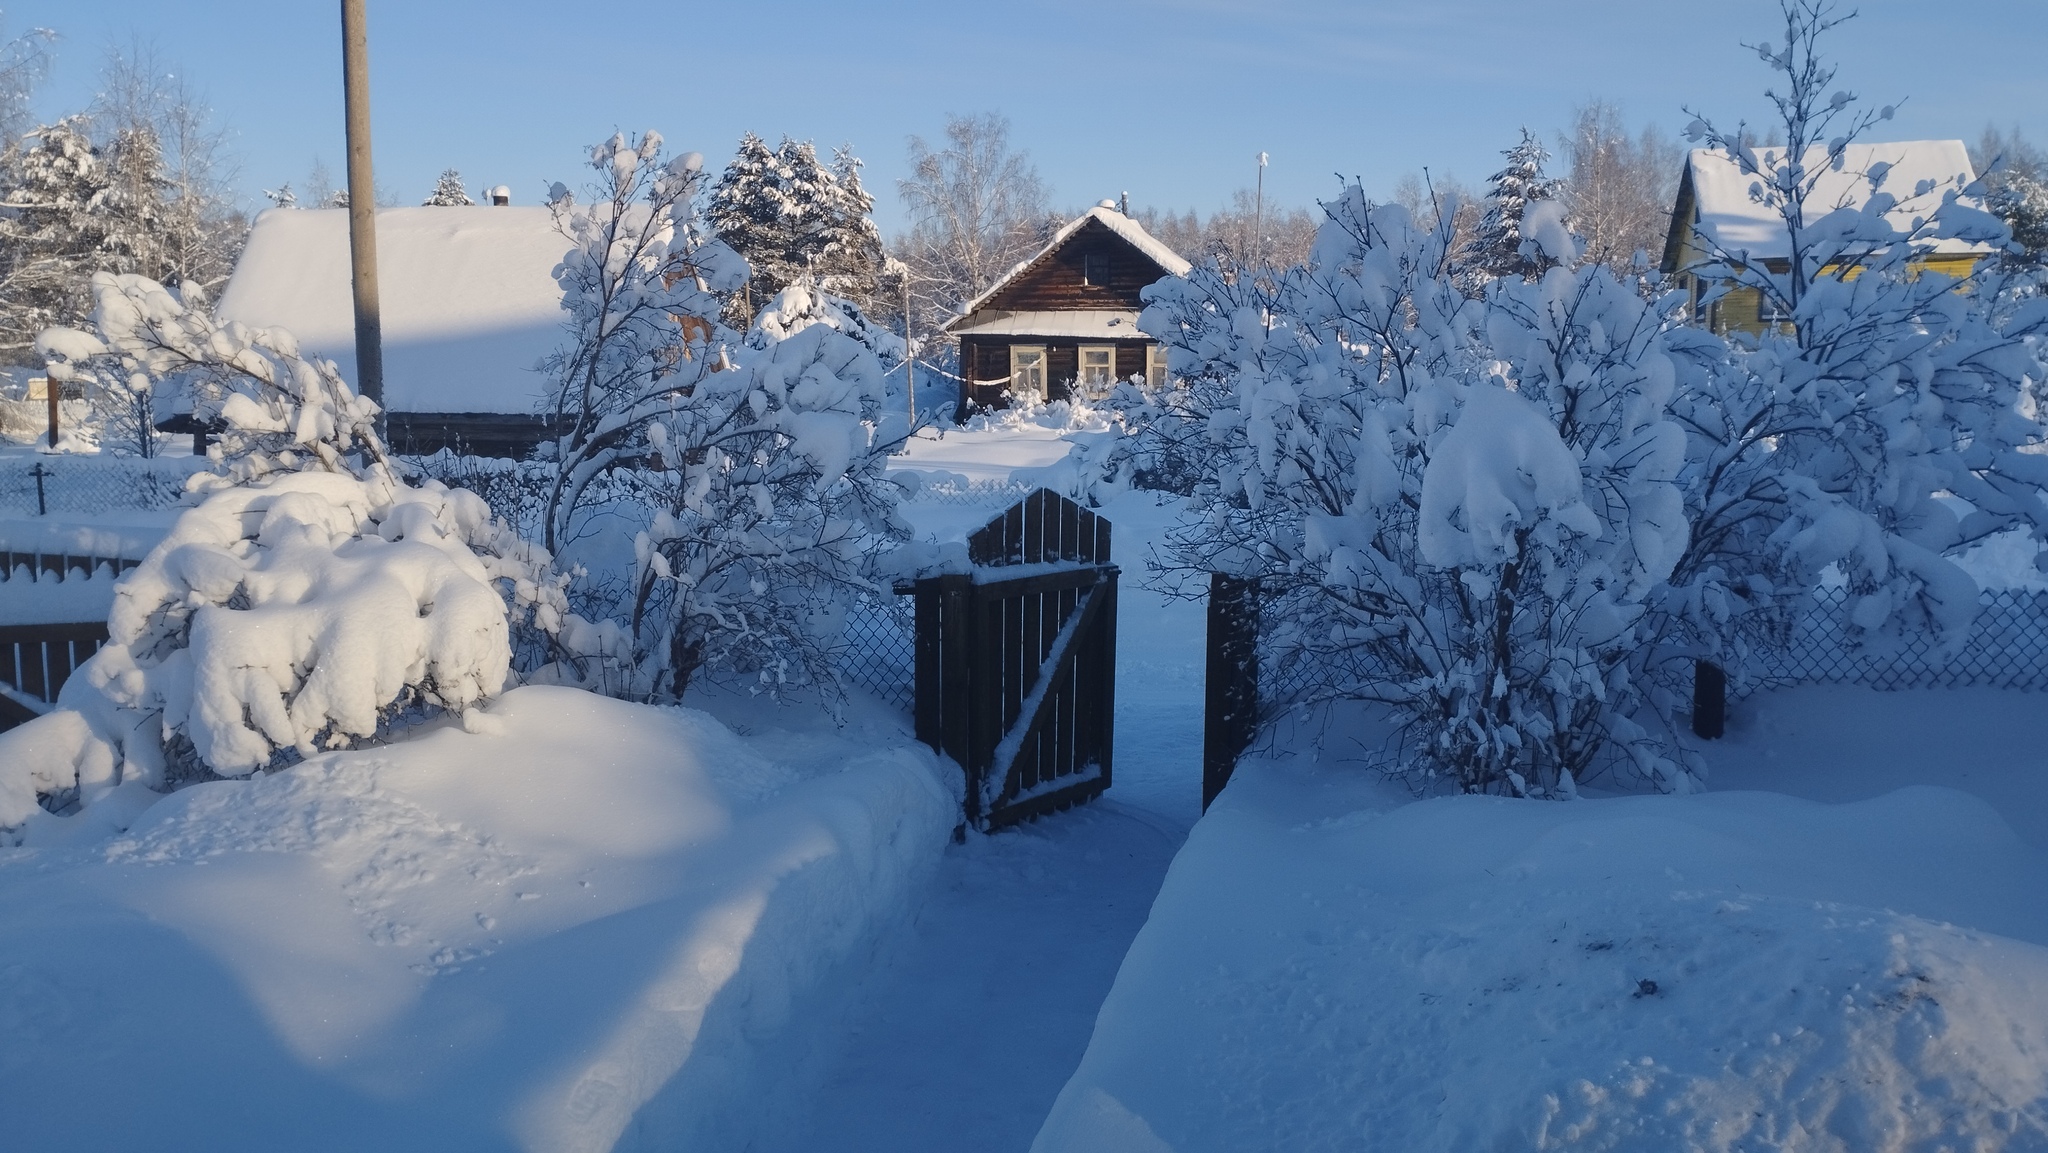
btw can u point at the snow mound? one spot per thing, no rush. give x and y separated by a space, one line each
587 925
1727 971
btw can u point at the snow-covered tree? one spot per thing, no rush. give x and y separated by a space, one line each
52 231
1841 441
448 192
239 642
1619 190
282 196
1456 507
1496 248
976 208
795 219
753 465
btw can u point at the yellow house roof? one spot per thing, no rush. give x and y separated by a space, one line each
1717 205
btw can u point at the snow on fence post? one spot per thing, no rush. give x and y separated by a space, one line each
1231 682
1709 700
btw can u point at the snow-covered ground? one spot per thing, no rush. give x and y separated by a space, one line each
589 925
1855 961
964 1037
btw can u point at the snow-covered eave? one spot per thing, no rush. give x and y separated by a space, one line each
1127 229
1078 324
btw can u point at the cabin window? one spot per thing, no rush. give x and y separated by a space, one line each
1027 371
1095 268
1155 365
1098 367
1770 311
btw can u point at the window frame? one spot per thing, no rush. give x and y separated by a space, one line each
1093 260
1016 352
1081 377
1155 365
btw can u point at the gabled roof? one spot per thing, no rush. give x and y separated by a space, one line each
468 299
1714 195
1170 262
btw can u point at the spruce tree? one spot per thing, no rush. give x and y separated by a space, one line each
1495 250
52 233
794 217
449 193
136 218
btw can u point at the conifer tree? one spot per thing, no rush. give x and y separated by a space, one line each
1495 250
448 192
52 231
794 217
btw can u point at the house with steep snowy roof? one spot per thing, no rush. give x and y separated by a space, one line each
469 307
1715 216
1065 321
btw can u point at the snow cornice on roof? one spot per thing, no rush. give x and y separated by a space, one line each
1727 217
1130 231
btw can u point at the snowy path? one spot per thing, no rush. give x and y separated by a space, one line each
964 1038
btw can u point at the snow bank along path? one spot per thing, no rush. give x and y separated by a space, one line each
1332 966
963 1037
591 925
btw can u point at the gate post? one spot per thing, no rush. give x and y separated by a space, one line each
1709 700
1231 685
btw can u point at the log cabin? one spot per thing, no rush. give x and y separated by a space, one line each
469 302
1715 214
1065 322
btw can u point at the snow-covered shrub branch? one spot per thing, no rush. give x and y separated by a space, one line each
1458 507
751 466
1835 440
275 409
306 597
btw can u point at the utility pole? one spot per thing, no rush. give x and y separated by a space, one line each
362 206
1259 208
909 355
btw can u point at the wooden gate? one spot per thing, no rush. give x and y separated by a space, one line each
1016 661
36 660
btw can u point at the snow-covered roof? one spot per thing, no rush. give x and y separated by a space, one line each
1081 324
1726 214
468 299
1130 230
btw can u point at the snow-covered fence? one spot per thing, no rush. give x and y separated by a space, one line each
877 649
91 485
2008 649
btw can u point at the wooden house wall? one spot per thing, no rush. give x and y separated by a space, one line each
1055 284
988 358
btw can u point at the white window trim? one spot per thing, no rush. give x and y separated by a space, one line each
1155 365
1081 366
1018 386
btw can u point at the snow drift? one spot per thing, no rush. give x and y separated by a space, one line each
1328 968
589 925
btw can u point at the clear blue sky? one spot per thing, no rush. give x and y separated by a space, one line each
1168 99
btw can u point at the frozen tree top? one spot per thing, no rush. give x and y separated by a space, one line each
1130 230
1725 211
468 297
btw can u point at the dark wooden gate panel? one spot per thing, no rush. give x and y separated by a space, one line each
1016 675
36 660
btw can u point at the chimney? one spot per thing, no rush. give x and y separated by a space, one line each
1124 204
501 196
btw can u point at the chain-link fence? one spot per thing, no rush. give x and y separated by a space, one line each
877 649
2007 649
90 485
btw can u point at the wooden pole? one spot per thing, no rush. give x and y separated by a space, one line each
53 393
909 355
362 206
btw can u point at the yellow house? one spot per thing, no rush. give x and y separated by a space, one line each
1716 215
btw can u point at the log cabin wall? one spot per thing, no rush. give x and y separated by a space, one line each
1057 283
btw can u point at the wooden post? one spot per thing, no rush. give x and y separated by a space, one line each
1231 686
52 392
362 206
1709 700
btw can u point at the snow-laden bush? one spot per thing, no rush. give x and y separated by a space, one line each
1457 506
306 597
1836 442
749 467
